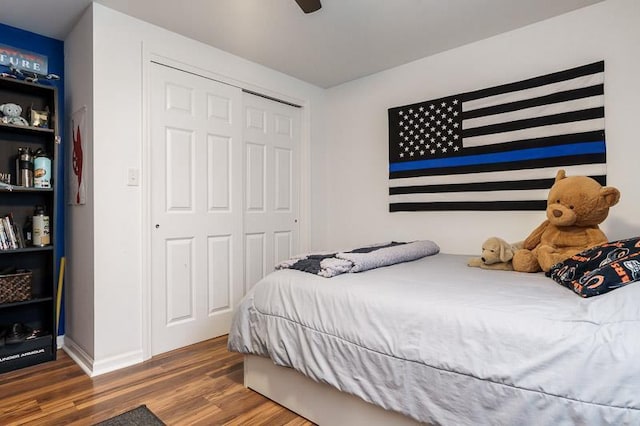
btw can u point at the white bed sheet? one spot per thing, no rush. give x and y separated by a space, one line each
447 344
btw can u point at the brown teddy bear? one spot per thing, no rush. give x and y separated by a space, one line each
576 205
496 254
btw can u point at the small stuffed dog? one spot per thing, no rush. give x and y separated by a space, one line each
496 254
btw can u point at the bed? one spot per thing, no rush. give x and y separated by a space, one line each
434 341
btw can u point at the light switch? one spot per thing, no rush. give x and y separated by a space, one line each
133 177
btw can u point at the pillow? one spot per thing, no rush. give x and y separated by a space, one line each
600 269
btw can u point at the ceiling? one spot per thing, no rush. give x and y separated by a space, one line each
344 40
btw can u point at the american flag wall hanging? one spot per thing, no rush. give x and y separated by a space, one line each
498 148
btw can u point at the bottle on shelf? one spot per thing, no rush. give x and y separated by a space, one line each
41 169
41 230
24 168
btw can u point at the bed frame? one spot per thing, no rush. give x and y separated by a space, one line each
317 402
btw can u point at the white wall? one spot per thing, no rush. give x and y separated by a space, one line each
79 271
356 209
121 48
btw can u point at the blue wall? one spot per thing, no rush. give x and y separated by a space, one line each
54 50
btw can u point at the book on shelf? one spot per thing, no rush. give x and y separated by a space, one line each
8 228
19 235
10 234
4 245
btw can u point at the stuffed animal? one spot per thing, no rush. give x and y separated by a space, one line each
576 205
496 254
12 114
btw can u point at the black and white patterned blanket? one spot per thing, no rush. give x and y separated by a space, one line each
361 259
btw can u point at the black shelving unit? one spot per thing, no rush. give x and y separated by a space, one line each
38 311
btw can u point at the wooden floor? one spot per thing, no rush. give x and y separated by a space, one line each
197 385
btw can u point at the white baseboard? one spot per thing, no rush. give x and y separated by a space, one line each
84 360
94 368
60 342
117 362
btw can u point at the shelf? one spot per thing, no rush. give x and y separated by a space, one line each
26 302
26 346
20 202
25 88
27 250
29 352
26 129
16 188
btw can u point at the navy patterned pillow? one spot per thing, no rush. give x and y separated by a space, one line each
600 269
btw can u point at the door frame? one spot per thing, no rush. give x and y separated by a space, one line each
149 55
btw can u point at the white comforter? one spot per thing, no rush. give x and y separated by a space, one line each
448 344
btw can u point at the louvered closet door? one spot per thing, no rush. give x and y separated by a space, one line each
272 183
196 202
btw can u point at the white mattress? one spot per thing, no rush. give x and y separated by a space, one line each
448 344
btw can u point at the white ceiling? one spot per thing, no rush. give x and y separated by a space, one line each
344 40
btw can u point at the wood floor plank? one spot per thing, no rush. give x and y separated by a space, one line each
198 385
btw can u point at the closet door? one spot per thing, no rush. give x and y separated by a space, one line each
196 207
272 183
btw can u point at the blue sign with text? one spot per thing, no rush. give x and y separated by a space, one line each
23 60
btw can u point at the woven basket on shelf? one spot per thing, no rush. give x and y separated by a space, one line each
15 287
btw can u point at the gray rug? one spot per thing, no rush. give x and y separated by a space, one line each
140 416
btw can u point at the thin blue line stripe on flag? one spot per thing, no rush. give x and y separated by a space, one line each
502 157
537 125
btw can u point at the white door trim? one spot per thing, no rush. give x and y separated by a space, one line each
149 55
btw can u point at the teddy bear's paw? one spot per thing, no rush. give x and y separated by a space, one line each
547 260
525 261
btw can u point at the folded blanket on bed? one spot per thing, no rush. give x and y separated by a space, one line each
362 259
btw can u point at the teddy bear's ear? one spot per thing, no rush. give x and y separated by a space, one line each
610 195
561 175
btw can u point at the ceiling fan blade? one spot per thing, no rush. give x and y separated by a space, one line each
309 6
